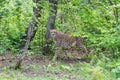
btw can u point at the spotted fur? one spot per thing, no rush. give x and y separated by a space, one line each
65 41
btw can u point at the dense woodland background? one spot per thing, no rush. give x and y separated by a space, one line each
97 21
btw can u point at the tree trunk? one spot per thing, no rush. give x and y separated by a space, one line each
50 25
52 17
31 31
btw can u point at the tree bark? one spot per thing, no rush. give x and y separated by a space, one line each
50 25
31 31
52 17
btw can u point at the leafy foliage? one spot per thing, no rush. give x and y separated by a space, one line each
15 16
96 21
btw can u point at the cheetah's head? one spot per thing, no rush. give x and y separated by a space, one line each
53 33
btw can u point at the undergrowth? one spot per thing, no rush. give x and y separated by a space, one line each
97 69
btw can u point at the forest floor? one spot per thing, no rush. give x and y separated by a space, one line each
40 68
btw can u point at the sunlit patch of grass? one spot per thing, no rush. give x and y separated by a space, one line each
96 72
22 77
60 70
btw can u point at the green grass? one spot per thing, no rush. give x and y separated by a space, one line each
61 70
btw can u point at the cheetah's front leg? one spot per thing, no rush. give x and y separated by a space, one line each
56 53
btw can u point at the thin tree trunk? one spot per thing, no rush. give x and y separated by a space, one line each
29 34
31 31
52 17
50 25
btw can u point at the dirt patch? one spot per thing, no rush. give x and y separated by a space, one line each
7 59
38 65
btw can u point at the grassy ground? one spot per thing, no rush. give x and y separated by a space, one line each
43 68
